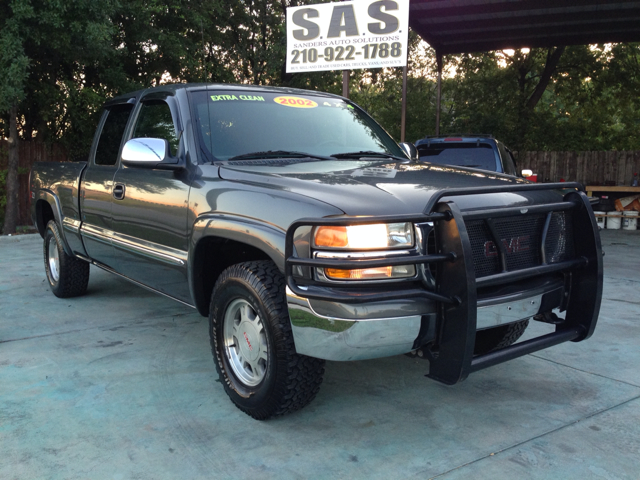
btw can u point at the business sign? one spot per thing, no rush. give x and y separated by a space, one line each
347 35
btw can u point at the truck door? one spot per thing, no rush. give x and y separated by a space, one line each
97 184
150 209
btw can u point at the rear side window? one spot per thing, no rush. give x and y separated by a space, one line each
507 159
474 155
112 133
155 121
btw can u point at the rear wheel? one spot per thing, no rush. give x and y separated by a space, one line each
68 276
499 337
252 343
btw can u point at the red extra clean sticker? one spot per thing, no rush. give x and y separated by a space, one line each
295 102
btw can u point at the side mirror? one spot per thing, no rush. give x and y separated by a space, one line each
149 153
410 150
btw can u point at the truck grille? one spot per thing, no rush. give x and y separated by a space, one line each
521 236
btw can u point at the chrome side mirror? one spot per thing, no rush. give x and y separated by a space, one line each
149 153
410 150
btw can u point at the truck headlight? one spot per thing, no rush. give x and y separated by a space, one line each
380 236
365 237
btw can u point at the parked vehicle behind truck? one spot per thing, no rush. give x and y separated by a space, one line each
299 227
472 151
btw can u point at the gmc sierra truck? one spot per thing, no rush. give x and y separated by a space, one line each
305 233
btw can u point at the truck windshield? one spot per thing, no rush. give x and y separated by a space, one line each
474 155
235 123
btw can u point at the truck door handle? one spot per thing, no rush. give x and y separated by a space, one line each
118 191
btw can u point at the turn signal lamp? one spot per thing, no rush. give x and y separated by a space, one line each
365 237
380 273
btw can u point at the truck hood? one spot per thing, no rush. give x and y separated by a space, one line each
377 187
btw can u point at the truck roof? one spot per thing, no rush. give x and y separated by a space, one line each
171 89
455 138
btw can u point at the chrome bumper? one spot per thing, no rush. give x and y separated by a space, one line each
341 339
507 311
340 332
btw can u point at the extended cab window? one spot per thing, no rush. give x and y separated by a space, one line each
155 121
111 135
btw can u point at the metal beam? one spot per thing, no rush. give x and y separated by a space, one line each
438 91
345 83
403 120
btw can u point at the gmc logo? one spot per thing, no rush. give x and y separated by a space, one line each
512 245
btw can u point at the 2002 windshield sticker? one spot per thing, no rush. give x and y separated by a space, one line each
296 102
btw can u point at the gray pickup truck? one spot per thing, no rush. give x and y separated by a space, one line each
304 232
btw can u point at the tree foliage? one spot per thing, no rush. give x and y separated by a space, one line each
61 60
588 103
65 58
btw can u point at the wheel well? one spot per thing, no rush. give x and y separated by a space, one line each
212 256
44 213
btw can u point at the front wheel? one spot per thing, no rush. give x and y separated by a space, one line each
252 343
68 276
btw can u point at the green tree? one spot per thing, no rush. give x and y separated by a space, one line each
577 98
14 64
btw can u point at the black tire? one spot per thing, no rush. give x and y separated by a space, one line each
261 371
68 276
499 337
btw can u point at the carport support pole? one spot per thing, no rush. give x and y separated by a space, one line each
345 83
403 119
438 91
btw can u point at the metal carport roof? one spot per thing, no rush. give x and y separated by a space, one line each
463 26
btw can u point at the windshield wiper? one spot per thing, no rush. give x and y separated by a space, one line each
278 154
369 153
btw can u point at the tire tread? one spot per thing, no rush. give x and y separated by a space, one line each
303 375
74 273
499 337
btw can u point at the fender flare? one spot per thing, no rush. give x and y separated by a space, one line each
265 237
54 202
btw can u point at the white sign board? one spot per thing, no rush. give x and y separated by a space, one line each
347 35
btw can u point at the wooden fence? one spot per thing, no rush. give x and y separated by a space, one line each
589 168
28 154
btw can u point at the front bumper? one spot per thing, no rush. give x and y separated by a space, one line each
356 338
339 332
461 304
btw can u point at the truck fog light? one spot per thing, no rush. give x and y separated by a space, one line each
379 273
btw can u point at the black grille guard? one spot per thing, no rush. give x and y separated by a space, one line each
451 358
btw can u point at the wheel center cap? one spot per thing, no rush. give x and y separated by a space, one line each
246 337
249 343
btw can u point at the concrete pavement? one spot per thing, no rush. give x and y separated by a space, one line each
120 384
